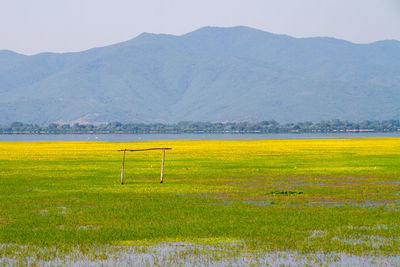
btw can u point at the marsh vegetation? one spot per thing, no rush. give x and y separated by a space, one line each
314 201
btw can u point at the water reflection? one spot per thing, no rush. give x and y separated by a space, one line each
148 137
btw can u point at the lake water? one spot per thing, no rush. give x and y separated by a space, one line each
148 137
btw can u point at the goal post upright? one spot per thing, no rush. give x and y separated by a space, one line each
162 166
122 170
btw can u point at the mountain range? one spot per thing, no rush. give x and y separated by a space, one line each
211 74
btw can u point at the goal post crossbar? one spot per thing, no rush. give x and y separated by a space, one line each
145 149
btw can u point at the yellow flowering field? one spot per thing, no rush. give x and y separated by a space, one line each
304 195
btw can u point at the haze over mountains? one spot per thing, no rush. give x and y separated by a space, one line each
211 74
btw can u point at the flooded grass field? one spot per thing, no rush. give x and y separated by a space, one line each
255 202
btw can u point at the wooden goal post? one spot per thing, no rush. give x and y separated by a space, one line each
145 149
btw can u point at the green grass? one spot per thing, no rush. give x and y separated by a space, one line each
345 195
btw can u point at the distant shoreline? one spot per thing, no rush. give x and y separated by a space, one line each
193 127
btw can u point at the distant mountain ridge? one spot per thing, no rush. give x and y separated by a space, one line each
211 74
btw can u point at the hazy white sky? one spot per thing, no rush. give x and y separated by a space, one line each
33 26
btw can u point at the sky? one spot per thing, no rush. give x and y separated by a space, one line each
34 26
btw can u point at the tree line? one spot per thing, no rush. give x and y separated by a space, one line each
271 126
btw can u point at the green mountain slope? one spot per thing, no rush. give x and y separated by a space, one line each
212 74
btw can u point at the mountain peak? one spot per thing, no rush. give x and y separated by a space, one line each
5 52
226 30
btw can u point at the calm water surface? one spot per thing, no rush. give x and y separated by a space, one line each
149 137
